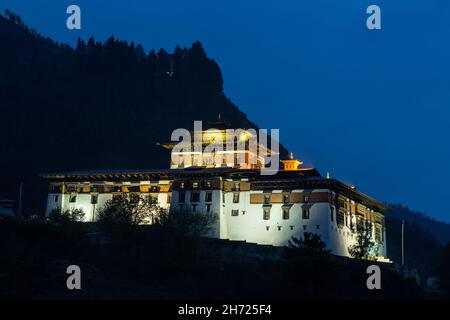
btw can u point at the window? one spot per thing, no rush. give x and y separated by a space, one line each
267 199
285 198
292 227
208 208
134 189
317 226
208 184
195 197
181 197
208 197
267 228
305 212
377 234
266 215
181 185
73 197
56 198
236 197
304 227
340 217
194 208
306 198
194 185
331 213
234 213
279 228
72 188
94 198
223 197
55 189
236 186
286 213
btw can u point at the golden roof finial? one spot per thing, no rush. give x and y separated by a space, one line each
291 164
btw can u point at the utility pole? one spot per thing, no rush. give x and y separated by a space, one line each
403 242
19 210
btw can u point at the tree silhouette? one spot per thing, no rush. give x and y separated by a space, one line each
365 247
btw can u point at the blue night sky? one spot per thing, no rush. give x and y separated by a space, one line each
370 107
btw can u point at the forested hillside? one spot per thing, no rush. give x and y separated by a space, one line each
99 105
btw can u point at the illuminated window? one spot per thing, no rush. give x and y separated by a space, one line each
305 212
306 199
234 213
377 234
236 186
266 213
208 184
266 199
181 185
236 197
195 185
285 198
286 213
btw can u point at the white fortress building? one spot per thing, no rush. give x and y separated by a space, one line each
262 209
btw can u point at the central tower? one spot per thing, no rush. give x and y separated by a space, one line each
219 146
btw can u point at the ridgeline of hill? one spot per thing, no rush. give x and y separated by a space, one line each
99 105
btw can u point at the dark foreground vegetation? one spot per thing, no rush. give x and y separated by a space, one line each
157 262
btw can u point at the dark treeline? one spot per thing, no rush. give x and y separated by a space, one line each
99 105
424 239
439 229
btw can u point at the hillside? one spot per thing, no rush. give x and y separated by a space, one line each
440 230
139 264
424 238
99 105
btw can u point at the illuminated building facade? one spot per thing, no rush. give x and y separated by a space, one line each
263 209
